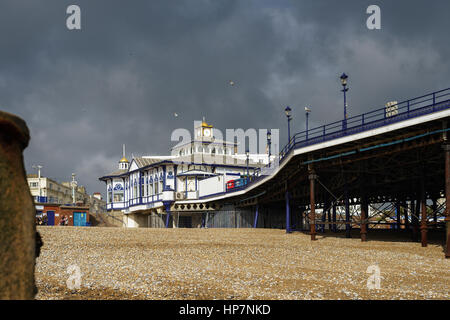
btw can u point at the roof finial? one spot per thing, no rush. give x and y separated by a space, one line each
204 119
123 150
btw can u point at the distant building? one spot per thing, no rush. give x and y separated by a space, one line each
52 214
47 192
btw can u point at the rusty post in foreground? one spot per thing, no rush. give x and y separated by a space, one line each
312 218
17 213
447 198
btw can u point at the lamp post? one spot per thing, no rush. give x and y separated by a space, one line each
344 90
74 183
38 167
308 110
287 111
269 142
247 153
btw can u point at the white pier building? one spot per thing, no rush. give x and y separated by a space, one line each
167 191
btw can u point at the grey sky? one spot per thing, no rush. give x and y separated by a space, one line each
120 79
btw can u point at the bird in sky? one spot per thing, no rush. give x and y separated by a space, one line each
307 109
231 83
175 114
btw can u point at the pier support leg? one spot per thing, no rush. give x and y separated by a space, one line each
329 218
288 214
324 214
255 223
364 215
416 226
334 218
347 214
406 227
312 218
167 207
423 224
447 198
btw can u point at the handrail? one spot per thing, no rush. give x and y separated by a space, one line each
404 110
401 111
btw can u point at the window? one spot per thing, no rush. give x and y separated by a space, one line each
156 187
118 196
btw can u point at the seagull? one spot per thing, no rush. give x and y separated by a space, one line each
231 83
175 114
307 109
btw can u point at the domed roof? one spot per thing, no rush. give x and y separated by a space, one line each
124 160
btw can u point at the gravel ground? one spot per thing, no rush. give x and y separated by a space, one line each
117 263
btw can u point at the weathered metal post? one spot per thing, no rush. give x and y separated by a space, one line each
423 223
416 226
326 208
167 207
329 217
447 198
334 217
312 219
364 215
347 213
288 213
255 223
18 248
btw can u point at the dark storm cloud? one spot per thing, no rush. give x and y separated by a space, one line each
133 64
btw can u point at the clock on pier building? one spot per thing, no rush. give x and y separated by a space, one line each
204 131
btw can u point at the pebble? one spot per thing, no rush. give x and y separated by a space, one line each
119 263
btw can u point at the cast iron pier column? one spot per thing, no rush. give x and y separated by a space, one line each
312 215
447 197
364 215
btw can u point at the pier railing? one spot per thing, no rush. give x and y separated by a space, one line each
408 109
401 111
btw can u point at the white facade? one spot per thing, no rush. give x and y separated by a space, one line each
46 190
152 185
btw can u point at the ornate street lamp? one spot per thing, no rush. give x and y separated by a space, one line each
247 153
308 110
344 78
74 184
289 118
